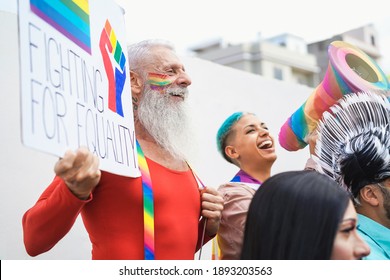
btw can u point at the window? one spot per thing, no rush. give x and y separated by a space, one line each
278 73
372 40
323 46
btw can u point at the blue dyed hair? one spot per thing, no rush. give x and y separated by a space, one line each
224 131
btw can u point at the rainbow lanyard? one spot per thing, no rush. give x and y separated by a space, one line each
147 192
244 178
148 202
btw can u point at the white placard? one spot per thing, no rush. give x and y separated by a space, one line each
75 83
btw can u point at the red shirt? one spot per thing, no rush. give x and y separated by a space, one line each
113 216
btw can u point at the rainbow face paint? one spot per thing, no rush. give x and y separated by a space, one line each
158 81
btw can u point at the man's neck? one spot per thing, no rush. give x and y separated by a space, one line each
374 214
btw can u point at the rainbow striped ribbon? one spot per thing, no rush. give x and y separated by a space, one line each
246 179
147 192
148 205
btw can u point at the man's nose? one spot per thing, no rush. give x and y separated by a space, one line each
183 80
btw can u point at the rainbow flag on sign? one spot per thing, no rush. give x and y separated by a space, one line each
70 17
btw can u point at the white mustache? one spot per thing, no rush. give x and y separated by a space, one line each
183 92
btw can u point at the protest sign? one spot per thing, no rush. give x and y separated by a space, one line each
75 83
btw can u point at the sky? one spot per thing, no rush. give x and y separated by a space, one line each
188 23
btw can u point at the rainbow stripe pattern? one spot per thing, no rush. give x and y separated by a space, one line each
114 46
158 81
110 47
148 205
70 17
349 70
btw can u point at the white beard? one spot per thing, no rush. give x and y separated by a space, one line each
167 121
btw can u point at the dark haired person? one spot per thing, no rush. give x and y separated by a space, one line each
243 140
353 148
302 215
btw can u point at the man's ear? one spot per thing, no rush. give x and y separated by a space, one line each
231 152
369 194
136 84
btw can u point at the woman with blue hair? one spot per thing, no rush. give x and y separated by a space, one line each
244 141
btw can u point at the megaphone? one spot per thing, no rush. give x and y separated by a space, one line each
349 70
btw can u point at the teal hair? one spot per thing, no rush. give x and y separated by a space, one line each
225 130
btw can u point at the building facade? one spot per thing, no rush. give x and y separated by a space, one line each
286 57
365 38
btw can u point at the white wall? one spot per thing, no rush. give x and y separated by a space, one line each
216 92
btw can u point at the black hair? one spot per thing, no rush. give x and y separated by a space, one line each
353 145
366 159
294 215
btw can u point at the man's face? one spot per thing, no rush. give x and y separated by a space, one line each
165 86
385 190
166 74
386 204
161 110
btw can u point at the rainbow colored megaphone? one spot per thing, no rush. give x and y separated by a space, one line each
349 70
